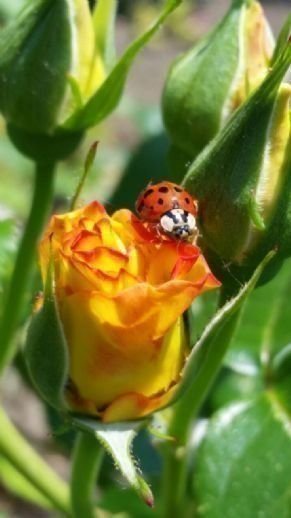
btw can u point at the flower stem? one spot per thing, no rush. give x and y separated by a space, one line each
87 461
42 196
20 454
184 414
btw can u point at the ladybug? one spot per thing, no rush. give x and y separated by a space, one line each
170 208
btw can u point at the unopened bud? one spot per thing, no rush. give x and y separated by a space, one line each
213 78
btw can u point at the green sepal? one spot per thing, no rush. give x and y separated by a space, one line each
199 82
108 95
216 336
279 232
284 35
35 58
255 215
117 440
46 349
225 176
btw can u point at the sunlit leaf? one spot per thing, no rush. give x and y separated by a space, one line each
232 386
243 464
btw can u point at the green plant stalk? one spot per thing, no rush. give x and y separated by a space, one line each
87 169
184 413
88 455
20 454
41 202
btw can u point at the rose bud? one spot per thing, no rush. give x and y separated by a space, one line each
242 179
58 75
116 305
53 57
207 83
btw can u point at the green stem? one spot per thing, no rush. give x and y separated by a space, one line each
20 454
87 168
87 461
42 196
184 413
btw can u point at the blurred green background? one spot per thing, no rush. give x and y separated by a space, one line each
132 151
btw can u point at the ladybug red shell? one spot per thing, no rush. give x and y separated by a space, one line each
162 197
169 207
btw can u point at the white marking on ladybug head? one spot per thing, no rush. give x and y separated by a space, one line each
178 223
167 223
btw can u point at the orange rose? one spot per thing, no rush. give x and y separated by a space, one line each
121 293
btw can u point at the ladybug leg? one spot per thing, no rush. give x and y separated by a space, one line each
154 228
193 239
158 230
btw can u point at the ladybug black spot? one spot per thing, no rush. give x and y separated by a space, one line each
148 192
187 200
160 201
164 189
178 189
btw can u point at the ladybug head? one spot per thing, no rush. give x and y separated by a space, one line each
179 223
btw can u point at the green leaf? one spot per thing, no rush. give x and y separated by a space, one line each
46 349
232 386
108 95
243 464
104 22
117 439
264 327
206 355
